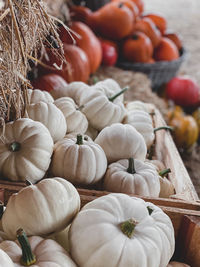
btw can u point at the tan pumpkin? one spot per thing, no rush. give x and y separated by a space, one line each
78 160
75 119
122 141
36 95
56 202
49 115
142 122
132 176
36 251
26 147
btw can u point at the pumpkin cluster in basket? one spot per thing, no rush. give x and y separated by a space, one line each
135 35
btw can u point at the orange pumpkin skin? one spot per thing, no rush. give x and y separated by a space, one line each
148 27
77 67
175 38
79 13
166 50
137 48
158 20
140 5
131 5
113 21
88 42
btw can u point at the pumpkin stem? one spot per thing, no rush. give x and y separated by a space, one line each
1 209
164 172
28 258
120 5
15 146
81 107
131 167
163 128
112 98
79 139
152 113
150 210
128 227
135 37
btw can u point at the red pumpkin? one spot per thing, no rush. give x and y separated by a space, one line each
77 67
184 91
49 82
87 41
109 51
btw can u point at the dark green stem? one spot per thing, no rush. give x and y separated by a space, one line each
80 108
128 227
131 167
28 258
112 98
164 172
150 210
79 139
15 146
163 128
1 209
152 113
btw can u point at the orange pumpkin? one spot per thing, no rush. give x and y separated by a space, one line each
148 27
166 50
87 41
113 21
131 5
137 48
77 67
79 13
175 38
158 20
140 5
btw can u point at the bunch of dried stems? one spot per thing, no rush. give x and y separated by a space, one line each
25 27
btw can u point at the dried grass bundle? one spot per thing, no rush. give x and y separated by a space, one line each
25 26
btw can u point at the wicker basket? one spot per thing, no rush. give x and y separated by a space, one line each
159 72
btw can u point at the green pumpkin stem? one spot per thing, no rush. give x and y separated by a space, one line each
79 139
152 113
80 108
112 98
128 227
150 210
28 258
15 146
131 166
1 209
163 128
164 172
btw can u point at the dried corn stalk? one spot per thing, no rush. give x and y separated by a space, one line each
24 28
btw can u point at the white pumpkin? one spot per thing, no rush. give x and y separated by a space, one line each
142 122
166 187
91 132
109 87
78 160
122 141
75 119
62 238
139 105
36 95
5 260
56 202
49 115
26 147
132 177
74 135
117 230
177 264
102 111
36 251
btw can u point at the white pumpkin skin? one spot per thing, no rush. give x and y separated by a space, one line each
122 141
51 116
139 105
91 132
144 182
48 253
5 260
56 202
75 119
79 164
62 238
177 264
36 95
96 239
142 122
34 147
102 112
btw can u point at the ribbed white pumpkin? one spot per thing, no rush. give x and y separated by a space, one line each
78 161
132 176
5 260
122 141
139 105
75 119
117 231
49 115
45 253
109 87
91 132
36 95
41 209
26 147
142 122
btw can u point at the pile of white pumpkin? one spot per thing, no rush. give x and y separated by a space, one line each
115 230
